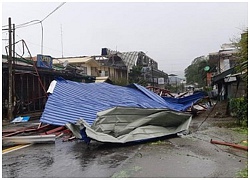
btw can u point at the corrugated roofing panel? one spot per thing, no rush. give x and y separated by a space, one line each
182 104
129 58
72 100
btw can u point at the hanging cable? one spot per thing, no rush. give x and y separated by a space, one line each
33 22
54 11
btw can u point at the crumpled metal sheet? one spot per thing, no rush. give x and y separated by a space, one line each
122 125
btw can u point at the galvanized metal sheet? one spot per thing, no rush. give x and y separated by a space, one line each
122 125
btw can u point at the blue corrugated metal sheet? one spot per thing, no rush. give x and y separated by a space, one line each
182 104
72 100
152 95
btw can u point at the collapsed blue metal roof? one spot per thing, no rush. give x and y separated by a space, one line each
72 100
182 104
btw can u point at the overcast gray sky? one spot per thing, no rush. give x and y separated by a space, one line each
173 34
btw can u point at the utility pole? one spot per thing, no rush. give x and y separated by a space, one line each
152 73
13 68
10 114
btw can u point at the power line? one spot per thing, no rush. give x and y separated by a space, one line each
33 22
28 24
54 11
25 24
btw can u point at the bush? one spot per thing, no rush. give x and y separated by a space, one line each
239 109
243 173
120 82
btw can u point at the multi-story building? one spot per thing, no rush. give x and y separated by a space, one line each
84 65
225 80
225 58
118 65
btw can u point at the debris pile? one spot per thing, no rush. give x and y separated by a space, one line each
34 134
107 113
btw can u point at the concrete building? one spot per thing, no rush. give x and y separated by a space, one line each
117 65
84 65
226 81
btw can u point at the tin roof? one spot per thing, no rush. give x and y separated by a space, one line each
72 100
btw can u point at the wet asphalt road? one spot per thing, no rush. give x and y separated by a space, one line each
66 159
188 156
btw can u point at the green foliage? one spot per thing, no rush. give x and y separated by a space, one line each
241 130
239 108
243 173
243 45
195 72
135 76
243 56
121 82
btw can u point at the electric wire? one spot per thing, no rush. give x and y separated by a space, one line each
33 22
28 24
54 10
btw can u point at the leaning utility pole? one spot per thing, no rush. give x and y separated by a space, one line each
10 114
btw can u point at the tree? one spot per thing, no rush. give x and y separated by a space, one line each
135 76
243 55
121 82
195 73
240 105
